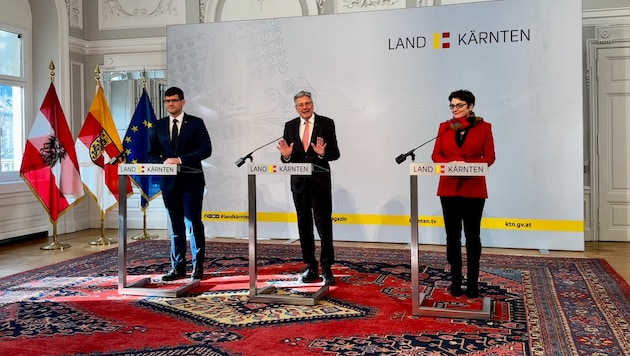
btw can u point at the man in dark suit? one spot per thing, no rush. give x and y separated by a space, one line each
182 139
311 138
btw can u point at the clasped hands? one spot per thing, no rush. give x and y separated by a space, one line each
173 160
285 150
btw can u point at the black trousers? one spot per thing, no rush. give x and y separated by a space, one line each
184 206
466 211
315 205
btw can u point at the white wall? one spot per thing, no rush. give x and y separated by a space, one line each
20 213
385 99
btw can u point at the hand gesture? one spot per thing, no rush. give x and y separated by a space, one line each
285 150
320 147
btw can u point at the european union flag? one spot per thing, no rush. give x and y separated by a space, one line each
136 144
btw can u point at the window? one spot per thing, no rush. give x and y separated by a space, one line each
12 116
123 90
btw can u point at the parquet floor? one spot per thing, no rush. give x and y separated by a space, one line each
24 255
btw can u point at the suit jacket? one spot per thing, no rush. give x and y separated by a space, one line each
193 147
478 147
323 127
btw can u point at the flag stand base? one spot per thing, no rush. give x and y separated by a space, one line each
55 246
103 241
144 236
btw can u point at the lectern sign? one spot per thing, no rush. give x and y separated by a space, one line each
147 169
299 169
449 169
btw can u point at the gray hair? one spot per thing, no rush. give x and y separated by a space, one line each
302 93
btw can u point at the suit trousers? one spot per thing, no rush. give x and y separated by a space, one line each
457 210
315 204
184 206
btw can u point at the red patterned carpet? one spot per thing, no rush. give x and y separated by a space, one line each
544 306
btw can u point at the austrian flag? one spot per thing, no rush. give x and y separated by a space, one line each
50 165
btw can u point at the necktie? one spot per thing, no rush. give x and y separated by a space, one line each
305 137
174 134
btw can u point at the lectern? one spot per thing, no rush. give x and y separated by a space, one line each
449 169
137 288
265 294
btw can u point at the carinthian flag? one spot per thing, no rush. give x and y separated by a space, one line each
50 164
136 144
99 151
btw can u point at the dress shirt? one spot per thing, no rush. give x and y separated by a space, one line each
179 118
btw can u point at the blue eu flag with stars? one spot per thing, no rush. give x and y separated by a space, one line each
136 144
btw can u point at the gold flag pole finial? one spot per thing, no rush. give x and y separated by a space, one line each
144 78
97 75
51 66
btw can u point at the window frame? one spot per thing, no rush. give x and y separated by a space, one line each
25 82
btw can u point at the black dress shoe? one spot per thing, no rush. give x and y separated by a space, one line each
197 274
329 279
308 276
456 290
173 275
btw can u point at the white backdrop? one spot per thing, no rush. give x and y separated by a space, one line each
384 77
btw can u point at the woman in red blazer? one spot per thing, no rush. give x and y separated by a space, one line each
464 138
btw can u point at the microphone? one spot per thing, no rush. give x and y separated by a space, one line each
403 157
454 125
241 161
121 157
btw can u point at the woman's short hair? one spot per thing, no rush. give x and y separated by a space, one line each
464 95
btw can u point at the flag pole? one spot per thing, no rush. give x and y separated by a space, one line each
54 245
103 240
144 235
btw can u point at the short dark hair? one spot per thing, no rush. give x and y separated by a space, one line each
174 91
464 95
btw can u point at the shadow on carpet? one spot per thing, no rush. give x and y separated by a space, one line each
543 306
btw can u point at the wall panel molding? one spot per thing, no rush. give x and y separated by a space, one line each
606 16
117 14
130 45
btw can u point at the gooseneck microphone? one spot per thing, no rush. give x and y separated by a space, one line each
403 157
122 157
453 125
241 161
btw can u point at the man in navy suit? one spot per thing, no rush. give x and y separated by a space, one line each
311 138
182 139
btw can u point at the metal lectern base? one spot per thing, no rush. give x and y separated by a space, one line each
264 295
484 314
137 288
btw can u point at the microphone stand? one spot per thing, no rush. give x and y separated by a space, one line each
122 156
403 157
239 162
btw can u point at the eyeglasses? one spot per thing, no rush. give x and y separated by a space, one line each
168 101
459 106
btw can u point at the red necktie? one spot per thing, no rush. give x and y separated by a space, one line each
305 137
